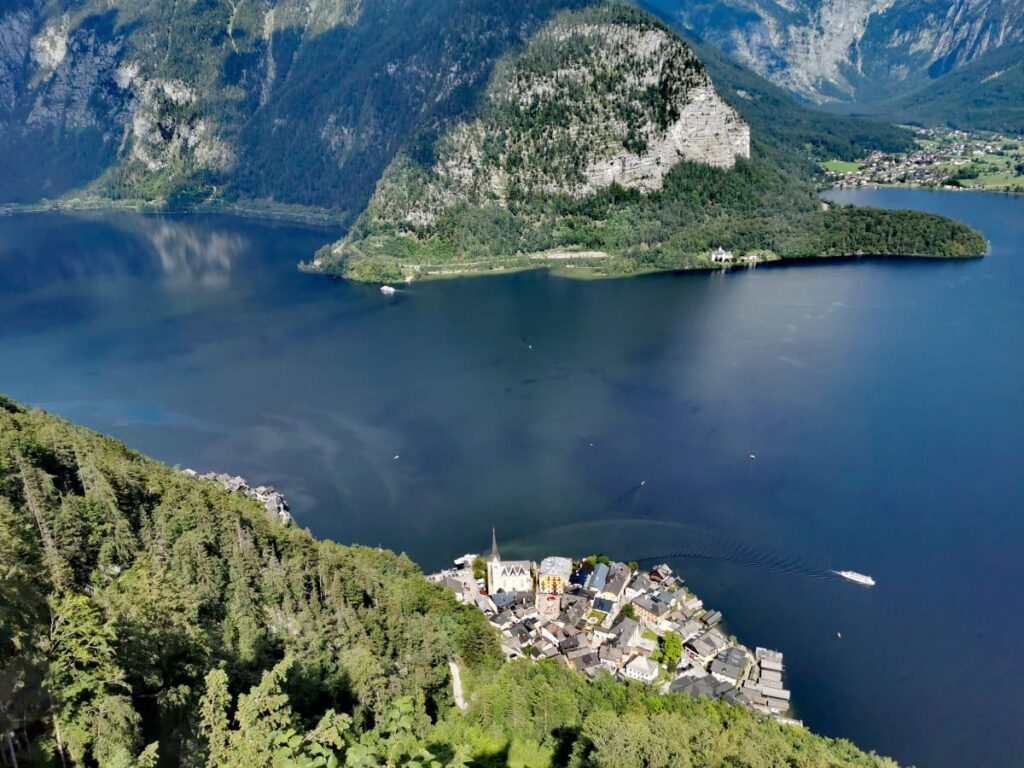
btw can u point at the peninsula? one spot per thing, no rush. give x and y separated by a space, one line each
594 615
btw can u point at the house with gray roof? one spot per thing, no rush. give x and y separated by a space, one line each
598 578
638 585
618 579
707 646
643 669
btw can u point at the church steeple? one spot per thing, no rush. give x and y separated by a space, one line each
495 557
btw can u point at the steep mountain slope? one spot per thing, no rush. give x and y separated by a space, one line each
283 100
603 146
986 94
858 51
148 618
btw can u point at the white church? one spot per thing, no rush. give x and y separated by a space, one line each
509 575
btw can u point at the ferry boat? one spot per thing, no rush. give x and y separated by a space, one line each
859 578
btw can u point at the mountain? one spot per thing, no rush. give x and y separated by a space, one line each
852 52
986 94
369 108
281 101
268 103
603 147
150 618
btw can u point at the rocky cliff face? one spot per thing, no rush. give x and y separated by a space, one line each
852 50
599 97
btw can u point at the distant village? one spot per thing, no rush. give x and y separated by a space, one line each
273 501
944 158
595 614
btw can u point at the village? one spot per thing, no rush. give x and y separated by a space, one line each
598 615
273 501
944 158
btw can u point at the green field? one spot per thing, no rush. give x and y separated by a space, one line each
840 166
1001 180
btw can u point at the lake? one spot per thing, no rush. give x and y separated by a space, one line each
883 401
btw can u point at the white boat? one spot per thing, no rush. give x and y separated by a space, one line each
387 290
859 578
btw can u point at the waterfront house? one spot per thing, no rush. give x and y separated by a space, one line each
692 605
661 573
689 630
729 666
711 618
643 669
640 584
554 575
721 256
598 578
768 659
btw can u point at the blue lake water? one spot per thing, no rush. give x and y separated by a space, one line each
883 400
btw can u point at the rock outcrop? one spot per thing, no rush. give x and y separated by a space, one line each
598 97
852 50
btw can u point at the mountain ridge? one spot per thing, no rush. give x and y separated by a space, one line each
853 54
277 103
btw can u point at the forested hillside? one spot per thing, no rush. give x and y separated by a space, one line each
986 94
278 101
147 618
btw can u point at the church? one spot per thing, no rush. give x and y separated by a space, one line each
507 576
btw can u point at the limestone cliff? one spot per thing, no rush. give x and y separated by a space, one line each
598 97
858 51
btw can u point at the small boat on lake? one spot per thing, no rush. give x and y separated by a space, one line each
858 578
387 290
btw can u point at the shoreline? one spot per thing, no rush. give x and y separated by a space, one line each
925 187
586 272
310 216
565 264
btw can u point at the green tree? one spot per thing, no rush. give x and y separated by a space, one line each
268 732
671 645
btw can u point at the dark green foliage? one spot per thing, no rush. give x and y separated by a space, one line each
425 219
122 642
606 724
987 94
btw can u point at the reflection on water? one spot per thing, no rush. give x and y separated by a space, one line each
187 253
190 257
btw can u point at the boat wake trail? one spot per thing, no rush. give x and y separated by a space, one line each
768 562
622 539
